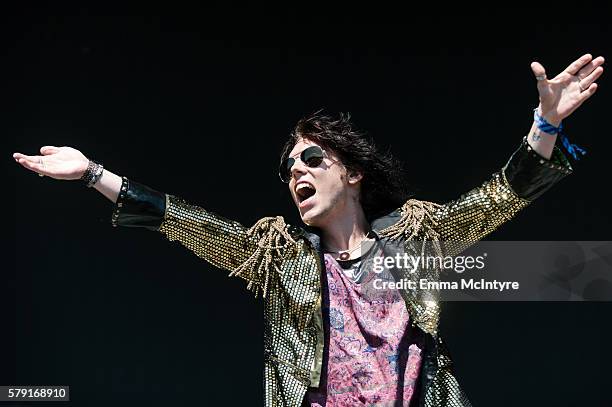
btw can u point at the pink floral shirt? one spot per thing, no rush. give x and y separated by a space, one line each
369 359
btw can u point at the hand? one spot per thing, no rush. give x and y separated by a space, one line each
56 162
563 94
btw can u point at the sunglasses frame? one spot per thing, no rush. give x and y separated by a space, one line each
285 162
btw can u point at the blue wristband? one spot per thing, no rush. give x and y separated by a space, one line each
546 127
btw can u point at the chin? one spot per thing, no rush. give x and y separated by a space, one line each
308 217
309 220
312 218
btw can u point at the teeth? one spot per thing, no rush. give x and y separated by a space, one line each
303 185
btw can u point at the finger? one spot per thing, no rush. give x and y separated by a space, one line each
29 158
586 82
33 166
590 91
590 67
46 150
573 68
538 70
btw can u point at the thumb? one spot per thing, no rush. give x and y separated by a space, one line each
538 70
46 150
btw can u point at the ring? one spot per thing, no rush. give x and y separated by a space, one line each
580 87
40 161
541 77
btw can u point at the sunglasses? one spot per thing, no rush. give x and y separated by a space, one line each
312 157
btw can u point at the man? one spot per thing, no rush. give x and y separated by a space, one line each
331 338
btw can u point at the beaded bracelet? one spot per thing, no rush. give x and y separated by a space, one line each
92 174
548 128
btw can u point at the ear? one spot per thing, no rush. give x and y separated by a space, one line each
354 176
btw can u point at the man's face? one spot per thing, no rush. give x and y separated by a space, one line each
321 192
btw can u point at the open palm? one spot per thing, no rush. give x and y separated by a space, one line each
563 94
56 162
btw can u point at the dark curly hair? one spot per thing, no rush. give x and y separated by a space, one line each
383 186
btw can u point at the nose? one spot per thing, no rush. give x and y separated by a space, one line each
298 168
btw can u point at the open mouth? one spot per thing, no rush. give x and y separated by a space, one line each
304 191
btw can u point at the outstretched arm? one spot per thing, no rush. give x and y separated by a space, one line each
224 243
533 168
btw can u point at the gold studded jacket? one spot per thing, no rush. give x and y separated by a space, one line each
284 264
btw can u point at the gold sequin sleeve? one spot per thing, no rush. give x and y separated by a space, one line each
477 213
254 254
220 241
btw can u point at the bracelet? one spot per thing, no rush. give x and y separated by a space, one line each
92 174
544 126
548 128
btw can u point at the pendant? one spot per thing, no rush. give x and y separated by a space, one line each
345 255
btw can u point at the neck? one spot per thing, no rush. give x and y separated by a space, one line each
346 230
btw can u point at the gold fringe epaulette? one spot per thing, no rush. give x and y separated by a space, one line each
417 217
274 243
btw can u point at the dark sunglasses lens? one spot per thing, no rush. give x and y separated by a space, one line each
312 156
284 171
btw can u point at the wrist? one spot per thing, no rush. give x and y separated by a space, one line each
552 125
550 117
80 172
541 142
92 173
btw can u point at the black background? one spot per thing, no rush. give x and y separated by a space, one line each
197 102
